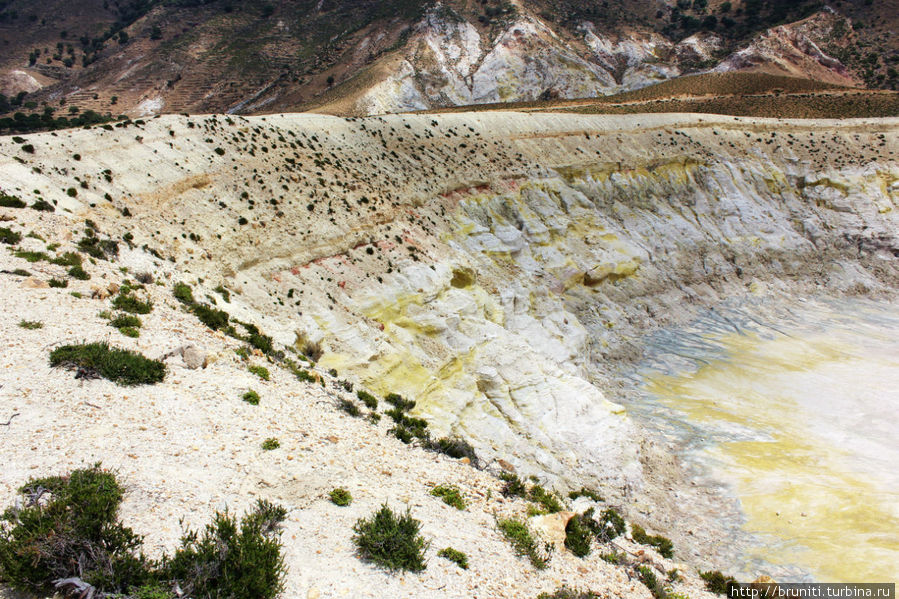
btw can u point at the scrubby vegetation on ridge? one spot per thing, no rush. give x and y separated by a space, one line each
391 540
120 366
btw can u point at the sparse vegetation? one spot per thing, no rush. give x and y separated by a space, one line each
126 302
578 534
251 397
31 325
341 497
120 366
271 444
716 582
455 556
345 405
8 201
260 371
450 496
390 540
663 545
517 533
9 237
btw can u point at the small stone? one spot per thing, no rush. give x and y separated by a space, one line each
313 593
33 283
194 357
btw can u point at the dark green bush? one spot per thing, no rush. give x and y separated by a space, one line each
370 401
260 371
568 593
9 237
231 560
58 283
397 401
345 405
31 325
271 444
251 397
578 534
648 577
585 492
31 256
43 205
125 320
390 540
547 500
126 302
663 545
514 486
183 293
212 318
717 582
78 272
69 527
8 201
450 496
340 497
101 249
454 448
612 525
68 259
517 533
455 556
118 365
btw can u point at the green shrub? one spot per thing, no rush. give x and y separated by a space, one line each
455 556
612 525
69 527
349 407
648 577
450 495
68 259
21 272
43 205
231 560
397 401
78 272
547 500
664 546
183 293
391 541
120 366
102 249
370 401
612 558
578 534
212 318
130 332
454 448
517 533
585 492
126 302
568 593
260 371
9 237
127 324
514 486
226 295
32 256
8 201
270 444
340 497
251 397
31 325
717 582
58 283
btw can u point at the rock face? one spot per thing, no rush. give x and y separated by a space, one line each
493 266
449 63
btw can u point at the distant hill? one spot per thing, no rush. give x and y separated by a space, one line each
142 57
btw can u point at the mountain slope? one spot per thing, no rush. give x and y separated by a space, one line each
146 56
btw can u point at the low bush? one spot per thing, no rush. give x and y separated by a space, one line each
271 444
31 325
8 201
717 582
345 405
612 525
568 593
9 237
548 501
513 485
340 497
662 544
78 272
370 401
125 320
120 366
578 534
58 283
450 496
585 492
211 317
43 205
260 371
68 259
32 256
183 293
126 302
390 540
455 556
454 448
251 397
648 578
517 533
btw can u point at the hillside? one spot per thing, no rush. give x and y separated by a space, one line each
144 57
496 268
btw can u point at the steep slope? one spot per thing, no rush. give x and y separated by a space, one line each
497 267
